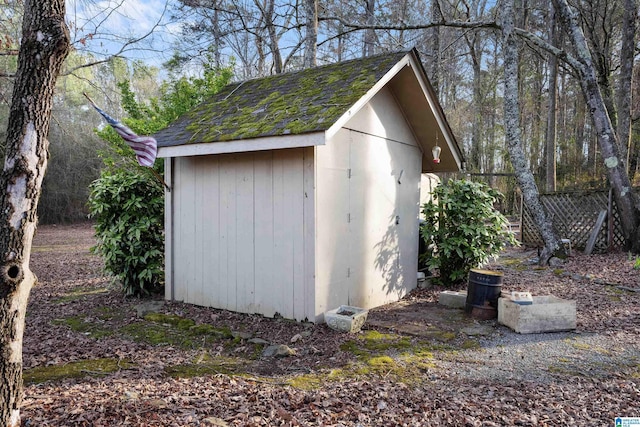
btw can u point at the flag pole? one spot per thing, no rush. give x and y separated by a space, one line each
89 99
159 178
153 171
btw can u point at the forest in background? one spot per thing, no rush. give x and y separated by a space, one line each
261 37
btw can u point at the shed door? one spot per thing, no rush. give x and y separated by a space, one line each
384 193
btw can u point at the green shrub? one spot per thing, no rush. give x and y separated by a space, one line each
462 230
128 207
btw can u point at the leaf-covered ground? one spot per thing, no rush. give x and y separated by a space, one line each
95 358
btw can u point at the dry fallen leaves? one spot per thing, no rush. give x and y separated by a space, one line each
141 394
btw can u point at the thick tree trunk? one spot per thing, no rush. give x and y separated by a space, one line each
627 52
311 33
550 136
524 176
44 46
626 200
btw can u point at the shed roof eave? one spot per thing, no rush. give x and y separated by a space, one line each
244 145
438 113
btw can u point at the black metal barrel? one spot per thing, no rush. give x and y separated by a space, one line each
483 291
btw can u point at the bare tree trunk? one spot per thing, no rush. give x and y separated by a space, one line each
217 36
370 34
550 136
44 46
579 137
627 51
311 33
434 64
634 145
514 138
597 27
476 150
626 200
268 12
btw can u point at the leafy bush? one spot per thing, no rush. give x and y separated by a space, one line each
128 209
462 230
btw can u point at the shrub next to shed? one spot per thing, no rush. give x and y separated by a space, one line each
462 230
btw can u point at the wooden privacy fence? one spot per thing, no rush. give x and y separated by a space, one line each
575 216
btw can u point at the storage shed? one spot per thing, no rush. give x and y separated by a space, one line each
297 193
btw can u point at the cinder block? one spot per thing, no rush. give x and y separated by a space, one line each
546 314
452 299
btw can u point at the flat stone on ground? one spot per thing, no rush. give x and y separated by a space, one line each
452 299
280 350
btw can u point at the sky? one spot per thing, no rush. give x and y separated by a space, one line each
103 27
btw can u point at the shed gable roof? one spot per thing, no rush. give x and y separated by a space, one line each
305 101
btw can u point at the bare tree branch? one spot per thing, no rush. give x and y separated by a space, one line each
127 45
405 27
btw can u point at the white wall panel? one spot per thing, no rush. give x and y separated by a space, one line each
240 232
332 228
382 117
209 184
245 248
266 274
227 261
367 176
309 224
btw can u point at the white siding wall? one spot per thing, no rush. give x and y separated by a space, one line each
242 228
368 192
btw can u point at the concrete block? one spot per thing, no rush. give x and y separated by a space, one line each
452 299
546 314
346 318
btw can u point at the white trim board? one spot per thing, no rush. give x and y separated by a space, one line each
244 145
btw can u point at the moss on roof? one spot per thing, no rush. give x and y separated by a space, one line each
292 103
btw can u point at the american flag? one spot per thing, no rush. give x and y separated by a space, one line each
145 147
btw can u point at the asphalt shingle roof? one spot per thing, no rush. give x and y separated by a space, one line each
292 103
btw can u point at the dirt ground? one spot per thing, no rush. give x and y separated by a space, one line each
95 358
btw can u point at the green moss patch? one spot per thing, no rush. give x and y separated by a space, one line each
84 326
154 329
307 382
90 367
165 329
375 342
387 355
205 365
